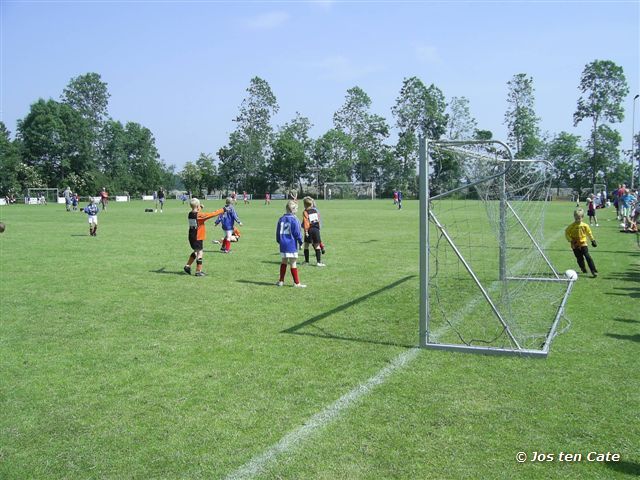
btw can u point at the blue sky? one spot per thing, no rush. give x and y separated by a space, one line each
181 69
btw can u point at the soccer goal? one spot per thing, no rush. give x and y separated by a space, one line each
49 195
350 190
486 283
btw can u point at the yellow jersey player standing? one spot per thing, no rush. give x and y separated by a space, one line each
577 234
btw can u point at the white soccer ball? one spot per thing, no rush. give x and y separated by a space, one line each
622 225
571 274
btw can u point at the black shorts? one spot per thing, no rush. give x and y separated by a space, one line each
196 245
314 236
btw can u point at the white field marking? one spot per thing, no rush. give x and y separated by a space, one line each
293 439
320 420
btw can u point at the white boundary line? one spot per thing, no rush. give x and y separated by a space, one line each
291 440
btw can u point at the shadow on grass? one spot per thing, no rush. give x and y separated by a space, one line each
626 292
79 234
271 262
164 272
252 282
324 334
633 338
630 468
625 320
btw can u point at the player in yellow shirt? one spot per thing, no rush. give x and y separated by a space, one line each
577 234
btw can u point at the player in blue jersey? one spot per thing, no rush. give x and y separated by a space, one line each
289 237
92 211
228 218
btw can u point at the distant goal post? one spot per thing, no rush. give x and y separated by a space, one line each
349 190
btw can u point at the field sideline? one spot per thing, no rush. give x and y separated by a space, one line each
115 364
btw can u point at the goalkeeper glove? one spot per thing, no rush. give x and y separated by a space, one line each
594 243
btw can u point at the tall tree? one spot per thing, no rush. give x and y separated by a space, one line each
567 157
604 148
291 151
520 117
331 156
9 163
191 178
253 133
210 180
603 86
55 140
418 111
366 132
461 124
88 95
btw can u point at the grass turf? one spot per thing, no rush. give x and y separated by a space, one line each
115 364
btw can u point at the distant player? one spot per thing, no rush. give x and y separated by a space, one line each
395 197
267 198
591 210
228 218
577 234
289 237
311 226
197 234
67 198
161 196
104 198
399 200
75 199
245 197
92 211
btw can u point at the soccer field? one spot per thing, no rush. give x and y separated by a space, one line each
116 364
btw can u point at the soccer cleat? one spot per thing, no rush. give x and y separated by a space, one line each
320 265
299 285
200 274
279 284
187 269
322 251
594 274
217 242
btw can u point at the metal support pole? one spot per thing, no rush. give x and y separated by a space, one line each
633 140
423 166
503 228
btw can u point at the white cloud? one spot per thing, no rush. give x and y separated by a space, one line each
341 68
427 53
268 20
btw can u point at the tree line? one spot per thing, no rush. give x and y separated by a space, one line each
74 142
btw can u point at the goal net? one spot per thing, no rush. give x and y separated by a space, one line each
486 283
42 195
350 190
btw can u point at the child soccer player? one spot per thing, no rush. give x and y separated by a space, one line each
104 198
197 234
289 237
160 199
311 225
92 211
577 234
235 237
228 218
591 210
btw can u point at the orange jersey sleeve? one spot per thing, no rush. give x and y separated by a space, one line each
203 217
305 220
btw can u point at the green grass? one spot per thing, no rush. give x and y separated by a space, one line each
114 364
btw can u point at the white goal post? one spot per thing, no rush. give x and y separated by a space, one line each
36 193
350 190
